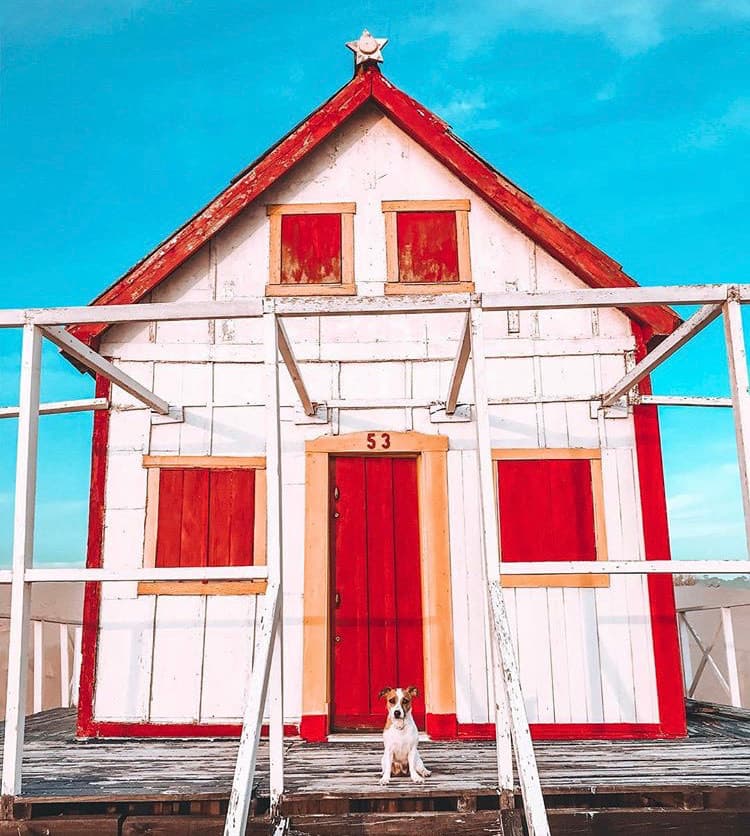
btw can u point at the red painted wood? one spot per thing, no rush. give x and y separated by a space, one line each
92 591
105 729
382 581
441 726
669 684
194 518
314 727
546 509
581 257
427 246
573 731
242 517
410 651
311 249
376 573
221 497
169 526
351 665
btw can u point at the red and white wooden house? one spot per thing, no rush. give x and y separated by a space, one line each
374 196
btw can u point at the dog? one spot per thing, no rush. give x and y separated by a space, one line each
400 737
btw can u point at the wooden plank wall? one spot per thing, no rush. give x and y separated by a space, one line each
585 654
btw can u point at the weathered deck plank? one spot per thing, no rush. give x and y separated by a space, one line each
716 755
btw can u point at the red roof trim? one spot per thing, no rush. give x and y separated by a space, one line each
585 260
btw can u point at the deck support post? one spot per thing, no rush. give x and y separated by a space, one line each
511 723
23 556
274 334
738 379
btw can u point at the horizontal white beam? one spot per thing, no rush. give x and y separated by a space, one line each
144 312
697 322
616 297
60 407
684 400
363 305
83 354
197 573
628 567
711 607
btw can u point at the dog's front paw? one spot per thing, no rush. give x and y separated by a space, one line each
386 779
418 779
426 772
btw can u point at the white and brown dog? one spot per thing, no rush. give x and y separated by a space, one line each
400 737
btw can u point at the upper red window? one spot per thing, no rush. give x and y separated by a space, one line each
546 510
205 517
312 249
427 247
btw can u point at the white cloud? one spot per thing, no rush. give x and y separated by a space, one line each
630 26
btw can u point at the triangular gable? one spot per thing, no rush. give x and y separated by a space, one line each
581 257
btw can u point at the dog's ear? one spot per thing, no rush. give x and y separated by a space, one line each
385 691
412 691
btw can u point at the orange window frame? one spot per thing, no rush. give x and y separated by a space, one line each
346 287
594 457
153 465
391 209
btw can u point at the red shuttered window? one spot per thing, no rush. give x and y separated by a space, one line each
312 249
550 510
427 246
204 511
206 517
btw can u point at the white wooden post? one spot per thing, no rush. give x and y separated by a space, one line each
275 698
511 711
38 664
77 639
738 378
687 661
23 553
64 666
731 651
491 544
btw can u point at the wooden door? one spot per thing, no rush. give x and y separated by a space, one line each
376 607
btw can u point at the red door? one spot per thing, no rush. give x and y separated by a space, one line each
376 587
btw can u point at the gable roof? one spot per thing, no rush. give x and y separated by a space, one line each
582 258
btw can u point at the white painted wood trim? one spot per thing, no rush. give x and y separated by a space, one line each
683 400
274 548
628 567
738 380
697 322
38 665
145 573
78 351
64 665
60 407
23 555
731 651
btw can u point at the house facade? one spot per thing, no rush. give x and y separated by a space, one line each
373 196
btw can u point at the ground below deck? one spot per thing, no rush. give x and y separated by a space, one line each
709 772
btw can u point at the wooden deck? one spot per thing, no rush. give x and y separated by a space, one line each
333 788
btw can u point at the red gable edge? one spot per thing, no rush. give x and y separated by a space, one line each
581 257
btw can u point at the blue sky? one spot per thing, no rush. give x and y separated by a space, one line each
630 120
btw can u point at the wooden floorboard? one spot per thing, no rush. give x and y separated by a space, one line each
715 756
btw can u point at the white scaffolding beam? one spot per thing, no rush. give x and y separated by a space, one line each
459 367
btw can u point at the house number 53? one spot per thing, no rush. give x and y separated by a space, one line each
382 440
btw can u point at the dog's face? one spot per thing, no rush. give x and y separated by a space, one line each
398 702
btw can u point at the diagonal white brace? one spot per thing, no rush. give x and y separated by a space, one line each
697 322
459 367
247 754
92 360
290 361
